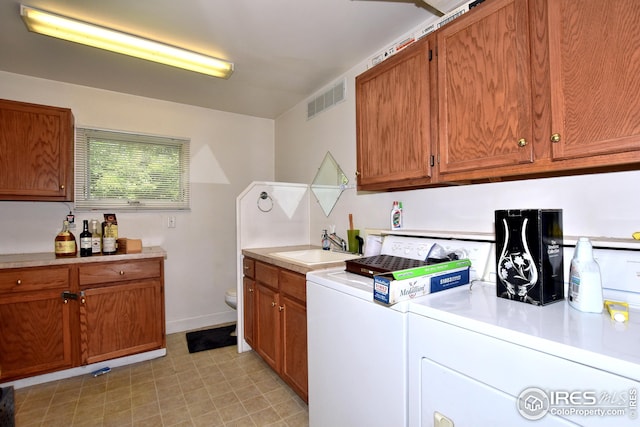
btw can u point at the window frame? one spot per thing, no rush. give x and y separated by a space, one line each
83 199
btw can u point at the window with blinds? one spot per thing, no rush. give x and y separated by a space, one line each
121 171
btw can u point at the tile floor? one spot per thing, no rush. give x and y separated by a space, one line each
209 388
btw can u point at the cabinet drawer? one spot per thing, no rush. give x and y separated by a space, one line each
248 267
33 279
118 271
293 284
267 274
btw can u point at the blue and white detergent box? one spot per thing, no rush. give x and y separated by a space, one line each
390 288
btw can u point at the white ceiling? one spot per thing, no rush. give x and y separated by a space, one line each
283 50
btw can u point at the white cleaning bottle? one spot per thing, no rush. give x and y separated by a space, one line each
396 216
585 282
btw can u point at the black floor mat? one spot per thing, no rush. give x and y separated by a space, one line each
209 339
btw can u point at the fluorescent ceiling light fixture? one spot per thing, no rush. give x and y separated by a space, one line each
69 29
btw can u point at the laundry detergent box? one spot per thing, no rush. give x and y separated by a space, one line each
392 287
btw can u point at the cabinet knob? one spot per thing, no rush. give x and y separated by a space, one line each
62 187
121 273
18 282
522 142
273 303
250 289
555 137
357 173
281 308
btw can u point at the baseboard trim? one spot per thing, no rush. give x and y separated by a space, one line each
87 369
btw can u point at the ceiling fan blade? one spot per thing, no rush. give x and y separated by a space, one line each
420 3
432 8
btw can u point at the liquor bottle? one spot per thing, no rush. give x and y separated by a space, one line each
65 242
109 238
96 237
85 240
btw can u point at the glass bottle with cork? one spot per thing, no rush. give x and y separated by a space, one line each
65 242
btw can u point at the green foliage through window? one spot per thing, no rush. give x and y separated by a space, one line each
120 170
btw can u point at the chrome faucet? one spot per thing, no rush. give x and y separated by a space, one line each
338 241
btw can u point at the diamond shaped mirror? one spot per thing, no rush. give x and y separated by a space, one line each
329 183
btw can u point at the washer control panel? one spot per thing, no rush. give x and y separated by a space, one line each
422 248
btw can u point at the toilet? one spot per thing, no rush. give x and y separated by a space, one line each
231 298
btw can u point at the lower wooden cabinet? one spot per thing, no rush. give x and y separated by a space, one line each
35 322
121 309
275 317
60 317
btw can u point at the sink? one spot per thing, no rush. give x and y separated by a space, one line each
314 256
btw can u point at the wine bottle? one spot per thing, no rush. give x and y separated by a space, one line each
85 240
109 238
65 242
96 237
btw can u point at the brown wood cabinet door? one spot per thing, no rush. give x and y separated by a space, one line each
484 91
249 287
120 320
594 56
267 332
36 152
35 334
294 344
393 121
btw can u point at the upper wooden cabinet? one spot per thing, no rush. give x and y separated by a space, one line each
594 58
36 152
393 121
524 88
484 89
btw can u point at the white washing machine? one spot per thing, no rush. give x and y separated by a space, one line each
358 348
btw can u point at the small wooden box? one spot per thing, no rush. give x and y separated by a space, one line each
129 246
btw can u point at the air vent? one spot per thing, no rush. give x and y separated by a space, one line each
332 96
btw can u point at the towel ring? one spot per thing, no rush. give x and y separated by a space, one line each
265 196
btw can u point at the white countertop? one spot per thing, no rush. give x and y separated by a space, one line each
557 329
41 259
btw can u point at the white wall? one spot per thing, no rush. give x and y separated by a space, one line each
603 205
228 152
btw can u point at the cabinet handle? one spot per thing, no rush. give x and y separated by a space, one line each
273 303
66 296
246 267
18 282
522 142
555 137
281 308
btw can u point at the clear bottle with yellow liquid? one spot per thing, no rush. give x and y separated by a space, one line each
65 242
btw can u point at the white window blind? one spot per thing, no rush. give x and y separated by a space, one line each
119 170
